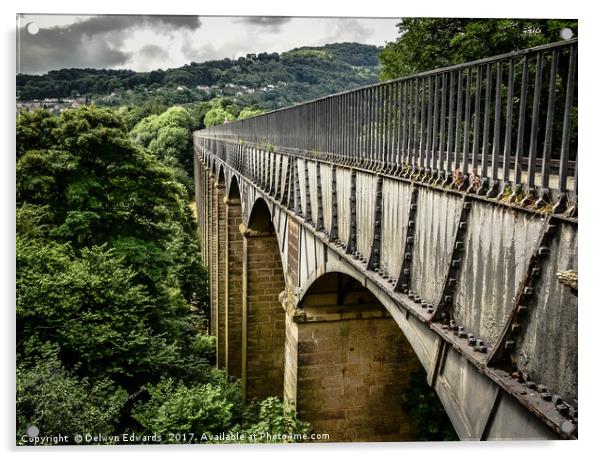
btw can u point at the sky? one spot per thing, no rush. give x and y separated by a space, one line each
144 43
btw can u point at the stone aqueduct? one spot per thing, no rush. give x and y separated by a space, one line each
354 238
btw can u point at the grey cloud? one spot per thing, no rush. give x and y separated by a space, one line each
94 42
101 24
270 23
254 28
153 52
208 51
200 53
347 30
151 57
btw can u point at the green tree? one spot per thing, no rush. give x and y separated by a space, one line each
429 43
248 112
429 419
168 137
176 408
218 116
58 402
111 293
276 419
92 307
34 130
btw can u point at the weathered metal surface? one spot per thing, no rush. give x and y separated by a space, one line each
497 247
404 279
312 262
513 421
466 394
444 309
366 195
313 189
326 183
396 201
307 254
284 180
547 352
302 184
437 215
343 202
376 245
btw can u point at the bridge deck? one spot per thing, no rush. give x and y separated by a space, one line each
413 188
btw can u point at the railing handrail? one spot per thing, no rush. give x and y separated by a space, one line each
426 73
459 125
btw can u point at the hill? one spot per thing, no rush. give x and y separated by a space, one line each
268 80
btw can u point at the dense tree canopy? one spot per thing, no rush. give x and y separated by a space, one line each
168 137
111 292
428 43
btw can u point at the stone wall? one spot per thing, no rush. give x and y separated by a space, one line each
234 249
265 317
221 281
350 375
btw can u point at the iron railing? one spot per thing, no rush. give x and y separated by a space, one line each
503 127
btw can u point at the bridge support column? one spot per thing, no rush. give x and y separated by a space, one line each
346 370
212 251
220 266
233 282
263 316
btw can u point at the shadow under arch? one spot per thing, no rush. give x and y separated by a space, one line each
420 337
260 217
221 177
354 363
233 192
263 314
213 166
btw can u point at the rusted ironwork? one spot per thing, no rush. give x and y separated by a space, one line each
333 234
352 238
501 354
297 187
320 210
374 259
549 408
404 279
444 309
308 210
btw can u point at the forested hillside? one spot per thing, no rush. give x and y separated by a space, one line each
269 80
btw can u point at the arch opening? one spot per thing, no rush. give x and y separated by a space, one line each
260 219
221 178
264 316
354 365
233 190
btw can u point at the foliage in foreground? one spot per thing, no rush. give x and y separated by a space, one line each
429 419
111 334
57 401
